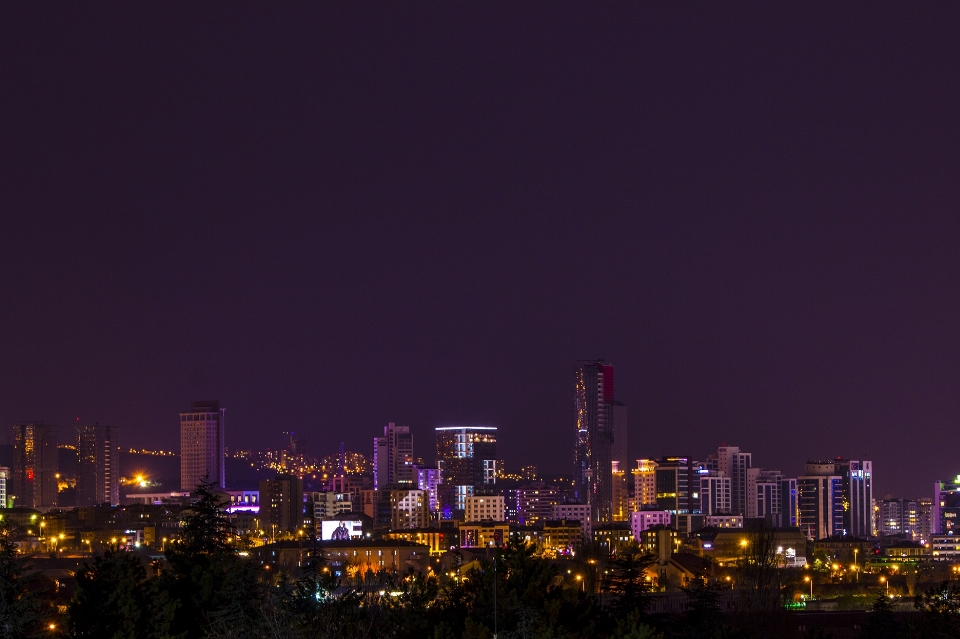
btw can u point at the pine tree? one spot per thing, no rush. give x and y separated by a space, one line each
20 609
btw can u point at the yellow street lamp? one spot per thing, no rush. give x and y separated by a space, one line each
810 579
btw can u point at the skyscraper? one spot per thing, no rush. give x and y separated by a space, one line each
734 464
34 481
466 457
202 445
593 415
393 457
98 465
281 503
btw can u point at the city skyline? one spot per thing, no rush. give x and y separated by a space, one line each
766 257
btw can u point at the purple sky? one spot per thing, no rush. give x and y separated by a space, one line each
333 220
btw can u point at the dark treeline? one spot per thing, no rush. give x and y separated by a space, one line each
206 590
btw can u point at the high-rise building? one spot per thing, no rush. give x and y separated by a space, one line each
733 463
429 480
34 481
98 465
535 502
4 478
715 494
678 485
593 410
409 508
467 459
485 508
858 517
836 498
900 516
620 493
202 445
644 484
281 504
393 461
945 515
821 500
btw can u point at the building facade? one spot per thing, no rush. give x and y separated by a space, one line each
715 495
733 463
281 504
393 457
678 485
202 445
593 428
98 465
485 508
467 459
644 484
34 477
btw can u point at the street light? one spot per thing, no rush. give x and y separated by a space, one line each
810 579
856 567
886 583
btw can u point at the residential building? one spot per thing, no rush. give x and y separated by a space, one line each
619 492
281 504
485 508
575 512
429 480
409 509
900 516
644 484
4 479
393 457
535 502
202 445
733 463
642 520
715 494
593 429
34 477
724 521
98 465
467 459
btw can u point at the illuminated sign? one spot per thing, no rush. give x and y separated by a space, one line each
341 530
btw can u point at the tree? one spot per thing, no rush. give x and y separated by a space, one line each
881 623
626 580
20 608
115 600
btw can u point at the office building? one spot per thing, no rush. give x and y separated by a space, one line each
678 485
98 465
789 503
467 459
393 457
34 477
820 501
771 497
4 480
593 429
281 504
858 491
202 445
644 484
945 513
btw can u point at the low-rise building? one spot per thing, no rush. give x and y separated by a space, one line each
642 520
580 512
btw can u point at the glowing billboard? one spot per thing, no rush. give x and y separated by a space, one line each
341 530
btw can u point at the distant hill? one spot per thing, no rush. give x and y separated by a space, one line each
165 471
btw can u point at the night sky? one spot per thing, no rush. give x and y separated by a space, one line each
335 219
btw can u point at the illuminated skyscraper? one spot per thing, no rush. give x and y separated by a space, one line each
467 459
98 465
34 481
644 484
393 457
593 429
202 445
836 498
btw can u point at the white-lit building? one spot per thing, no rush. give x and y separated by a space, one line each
202 445
642 520
570 512
484 508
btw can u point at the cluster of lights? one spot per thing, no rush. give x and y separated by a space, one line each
158 453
